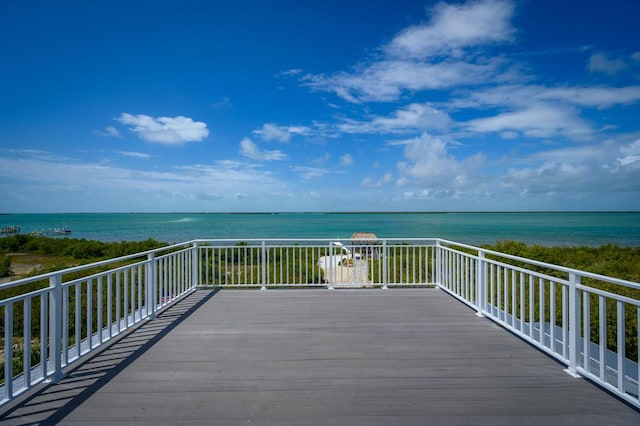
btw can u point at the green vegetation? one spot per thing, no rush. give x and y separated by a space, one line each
37 255
80 249
5 266
608 259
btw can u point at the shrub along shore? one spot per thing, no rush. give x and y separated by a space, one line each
57 253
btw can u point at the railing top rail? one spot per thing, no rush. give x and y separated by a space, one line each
314 240
35 278
564 269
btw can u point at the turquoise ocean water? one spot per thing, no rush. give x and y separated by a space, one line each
551 229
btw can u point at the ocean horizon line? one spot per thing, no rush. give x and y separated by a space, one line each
331 212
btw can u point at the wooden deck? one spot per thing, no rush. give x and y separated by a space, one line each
353 357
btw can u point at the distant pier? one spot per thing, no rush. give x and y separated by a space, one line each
8 230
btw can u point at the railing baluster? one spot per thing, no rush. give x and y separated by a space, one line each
109 306
99 310
44 332
602 335
90 314
8 350
620 343
27 342
65 326
586 331
542 312
522 301
552 315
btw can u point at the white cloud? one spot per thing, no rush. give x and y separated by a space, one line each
538 121
271 132
105 188
346 160
453 28
108 131
311 172
430 56
429 162
289 73
165 130
521 96
630 154
251 150
134 154
223 102
386 80
600 62
606 169
367 182
410 118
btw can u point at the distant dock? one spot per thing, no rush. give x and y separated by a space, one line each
8 230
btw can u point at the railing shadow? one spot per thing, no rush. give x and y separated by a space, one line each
53 402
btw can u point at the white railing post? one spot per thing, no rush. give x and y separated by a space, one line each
481 284
55 326
264 266
385 262
438 263
151 285
195 262
574 324
332 267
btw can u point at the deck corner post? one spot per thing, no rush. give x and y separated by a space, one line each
385 263
151 285
55 326
574 324
264 265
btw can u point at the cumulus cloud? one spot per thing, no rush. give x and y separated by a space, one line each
602 63
367 182
272 132
289 73
165 130
609 168
346 160
630 154
386 80
452 28
311 172
428 160
108 131
430 56
599 97
250 150
410 118
539 121
134 154
65 182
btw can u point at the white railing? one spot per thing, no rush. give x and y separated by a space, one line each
586 321
316 263
57 318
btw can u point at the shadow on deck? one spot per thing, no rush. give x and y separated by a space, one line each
404 356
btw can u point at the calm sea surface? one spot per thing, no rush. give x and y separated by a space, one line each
551 229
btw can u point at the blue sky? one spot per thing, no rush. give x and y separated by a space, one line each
319 105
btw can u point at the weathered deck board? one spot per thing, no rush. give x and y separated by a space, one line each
413 356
